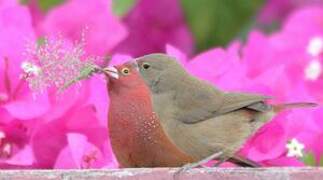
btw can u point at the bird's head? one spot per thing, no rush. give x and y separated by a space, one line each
124 76
160 71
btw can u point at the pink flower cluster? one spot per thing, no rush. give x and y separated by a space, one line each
287 65
278 10
69 130
46 130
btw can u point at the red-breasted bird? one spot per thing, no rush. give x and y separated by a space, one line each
200 119
137 136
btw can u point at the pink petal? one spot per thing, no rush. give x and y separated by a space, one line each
47 142
118 59
64 160
29 108
23 157
178 54
77 145
149 32
104 31
268 143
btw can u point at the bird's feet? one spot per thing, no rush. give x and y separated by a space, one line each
197 164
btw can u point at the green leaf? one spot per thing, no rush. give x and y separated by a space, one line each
41 41
217 22
24 2
121 7
309 159
87 71
46 5
321 161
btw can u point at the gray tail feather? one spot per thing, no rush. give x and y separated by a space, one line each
281 107
243 162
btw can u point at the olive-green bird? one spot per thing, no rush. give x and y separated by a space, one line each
200 119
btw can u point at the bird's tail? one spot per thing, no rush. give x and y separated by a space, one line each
280 107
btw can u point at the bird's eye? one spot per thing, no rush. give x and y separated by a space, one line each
146 66
125 71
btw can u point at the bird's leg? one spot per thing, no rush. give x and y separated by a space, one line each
203 161
199 163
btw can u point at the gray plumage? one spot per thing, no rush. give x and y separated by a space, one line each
199 118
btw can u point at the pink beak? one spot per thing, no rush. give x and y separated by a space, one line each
111 71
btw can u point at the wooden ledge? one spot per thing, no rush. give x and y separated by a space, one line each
168 173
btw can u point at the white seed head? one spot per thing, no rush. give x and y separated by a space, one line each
30 68
55 63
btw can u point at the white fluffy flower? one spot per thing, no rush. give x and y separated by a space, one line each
30 68
295 148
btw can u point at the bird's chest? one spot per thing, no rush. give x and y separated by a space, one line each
133 132
133 122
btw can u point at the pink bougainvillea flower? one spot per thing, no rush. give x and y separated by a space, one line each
15 31
14 139
299 58
265 65
277 10
102 31
288 69
34 127
224 68
51 140
16 102
36 13
308 67
82 154
311 26
149 31
118 59
268 142
311 137
178 54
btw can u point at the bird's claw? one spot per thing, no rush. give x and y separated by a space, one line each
184 168
200 163
188 166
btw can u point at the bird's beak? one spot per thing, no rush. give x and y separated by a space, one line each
111 72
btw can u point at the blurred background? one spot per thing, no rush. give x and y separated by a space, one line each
210 22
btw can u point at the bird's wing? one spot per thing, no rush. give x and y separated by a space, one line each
234 101
202 101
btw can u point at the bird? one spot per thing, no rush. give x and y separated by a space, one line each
136 134
199 118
